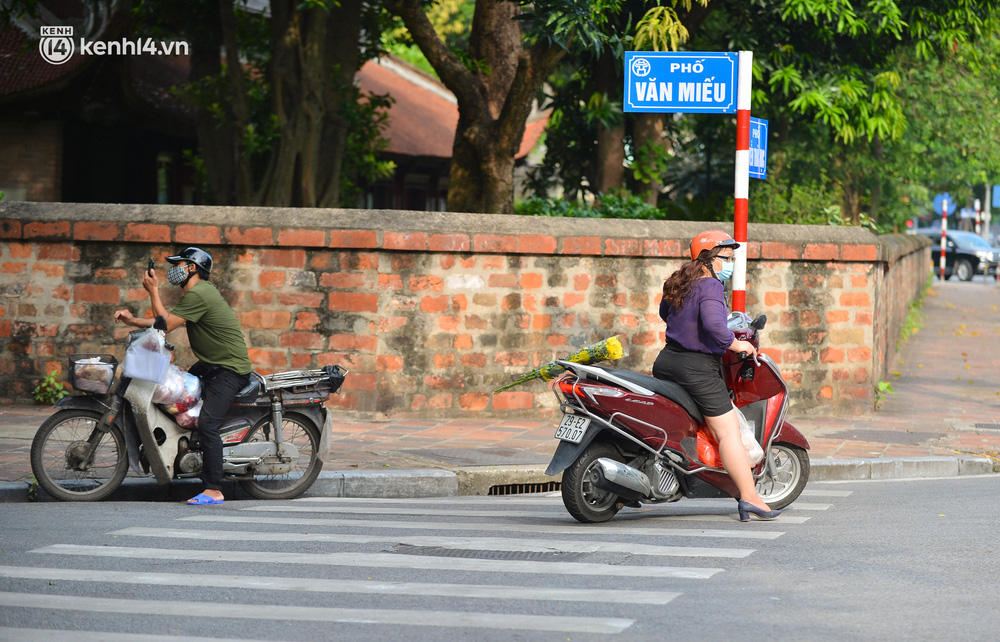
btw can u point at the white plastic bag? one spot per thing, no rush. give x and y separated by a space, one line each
171 387
189 418
147 357
754 452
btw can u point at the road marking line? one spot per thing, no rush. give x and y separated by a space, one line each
385 560
284 612
52 635
526 530
826 493
469 543
554 594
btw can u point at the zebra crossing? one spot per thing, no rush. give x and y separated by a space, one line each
375 567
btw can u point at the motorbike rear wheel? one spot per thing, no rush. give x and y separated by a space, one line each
792 466
299 431
584 501
67 468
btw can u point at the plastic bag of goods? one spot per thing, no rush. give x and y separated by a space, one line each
147 357
189 418
91 375
171 387
189 397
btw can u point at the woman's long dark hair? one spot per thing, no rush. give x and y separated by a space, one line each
678 285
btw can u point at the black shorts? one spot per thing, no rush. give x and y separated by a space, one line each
699 374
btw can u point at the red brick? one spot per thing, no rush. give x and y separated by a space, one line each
358 261
268 358
302 238
837 316
541 322
863 353
536 244
94 231
652 247
474 360
13 268
774 353
249 235
390 282
88 293
859 280
797 356
388 324
426 282
6 329
826 392
412 241
302 340
342 280
19 250
620 299
831 355
303 299
555 340
511 302
473 401
863 317
492 263
37 229
449 243
606 280
388 363
646 338
354 301
434 303
858 253
267 319
10 229
447 261
306 320
571 298
772 299
855 299
353 342
497 243
821 252
443 360
147 233
262 298
809 318
531 281
512 400
301 360
282 258
511 358
502 281
582 245
363 239
402 262
769 250
449 322
459 303
623 247
63 293
271 279
463 341
581 282
360 381
198 234
58 252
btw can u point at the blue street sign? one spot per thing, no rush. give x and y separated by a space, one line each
684 82
939 200
758 148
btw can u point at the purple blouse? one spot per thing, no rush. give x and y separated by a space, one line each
700 324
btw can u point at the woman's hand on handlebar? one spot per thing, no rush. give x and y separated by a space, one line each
743 346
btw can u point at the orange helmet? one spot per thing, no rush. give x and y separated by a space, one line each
709 241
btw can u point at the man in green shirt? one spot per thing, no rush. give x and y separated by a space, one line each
216 340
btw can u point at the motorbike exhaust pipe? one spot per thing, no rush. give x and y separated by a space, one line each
624 481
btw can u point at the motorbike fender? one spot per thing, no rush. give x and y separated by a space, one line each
790 435
568 452
324 436
148 418
84 402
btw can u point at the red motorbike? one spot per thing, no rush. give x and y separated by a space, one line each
626 438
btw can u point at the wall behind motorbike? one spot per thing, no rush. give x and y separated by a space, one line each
432 311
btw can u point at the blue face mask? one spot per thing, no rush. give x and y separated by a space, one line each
726 271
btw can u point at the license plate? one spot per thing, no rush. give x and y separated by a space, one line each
572 428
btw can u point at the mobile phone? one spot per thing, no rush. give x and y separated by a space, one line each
149 268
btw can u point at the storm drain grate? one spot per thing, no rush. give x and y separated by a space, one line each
520 556
517 489
987 426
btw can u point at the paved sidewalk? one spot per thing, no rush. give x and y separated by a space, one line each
943 419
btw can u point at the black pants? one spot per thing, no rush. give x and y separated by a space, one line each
218 389
699 374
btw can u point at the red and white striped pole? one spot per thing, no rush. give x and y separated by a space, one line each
977 218
944 230
742 188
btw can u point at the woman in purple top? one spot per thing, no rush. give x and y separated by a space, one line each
694 308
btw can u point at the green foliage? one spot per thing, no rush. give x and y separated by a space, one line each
660 30
1 195
882 388
49 390
620 205
367 119
914 317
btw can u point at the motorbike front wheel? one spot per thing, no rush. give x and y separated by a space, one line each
791 464
73 461
585 501
301 432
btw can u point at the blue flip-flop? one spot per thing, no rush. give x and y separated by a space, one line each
201 499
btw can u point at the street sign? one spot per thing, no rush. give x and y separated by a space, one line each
758 148
683 82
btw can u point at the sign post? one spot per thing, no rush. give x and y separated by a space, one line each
944 232
742 188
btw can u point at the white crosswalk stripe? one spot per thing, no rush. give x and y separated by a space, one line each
436 562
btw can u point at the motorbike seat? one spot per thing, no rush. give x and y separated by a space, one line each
249 392
669 389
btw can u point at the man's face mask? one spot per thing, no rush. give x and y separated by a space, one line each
178 275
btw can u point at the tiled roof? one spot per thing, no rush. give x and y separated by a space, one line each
22 67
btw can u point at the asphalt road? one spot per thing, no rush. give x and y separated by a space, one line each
913 559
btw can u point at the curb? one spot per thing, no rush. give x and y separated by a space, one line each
477 480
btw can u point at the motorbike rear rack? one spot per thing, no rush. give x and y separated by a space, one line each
304 380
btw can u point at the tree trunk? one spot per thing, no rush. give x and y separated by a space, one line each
878 153
494 98
609 172
648 135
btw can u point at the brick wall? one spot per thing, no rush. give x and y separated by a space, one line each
31 158
432 311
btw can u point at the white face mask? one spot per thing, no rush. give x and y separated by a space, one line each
178 275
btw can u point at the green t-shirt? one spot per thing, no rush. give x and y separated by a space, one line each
215 334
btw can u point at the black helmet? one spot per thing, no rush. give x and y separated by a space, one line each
196 255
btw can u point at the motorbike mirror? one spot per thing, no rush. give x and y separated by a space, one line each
160 323
759 322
